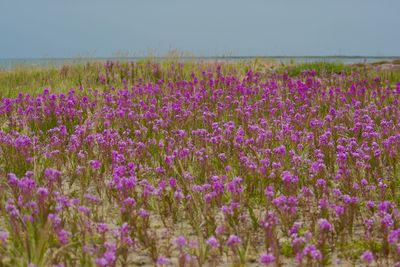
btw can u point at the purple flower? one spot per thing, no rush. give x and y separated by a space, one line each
281 150
83 209
3 237
109 256
129 202
101 262
313 252
162 261
12 179
266 259
367 257
144 213
63 237
102 228
180 241
212 242
387 221
52 175
233 240
220 229
95 164
324 225
42 192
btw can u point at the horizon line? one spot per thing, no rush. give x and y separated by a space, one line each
201 57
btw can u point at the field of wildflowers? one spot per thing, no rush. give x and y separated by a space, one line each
199 164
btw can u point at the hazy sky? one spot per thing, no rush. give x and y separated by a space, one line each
71 28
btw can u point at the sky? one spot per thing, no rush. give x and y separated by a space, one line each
105 28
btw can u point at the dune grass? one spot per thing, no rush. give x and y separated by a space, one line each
100 75
103 74
319 67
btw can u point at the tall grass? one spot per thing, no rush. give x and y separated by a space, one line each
102 74
321 68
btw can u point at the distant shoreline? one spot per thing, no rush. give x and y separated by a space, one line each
200 57
10 63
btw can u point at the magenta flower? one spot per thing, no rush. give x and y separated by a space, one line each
324 225
162 261
101 262
266 259
3 237
212 242
95 164
52 174
367 257
233 240
180 241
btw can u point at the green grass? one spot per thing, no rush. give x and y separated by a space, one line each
88 75
321 68
391 76
61 79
